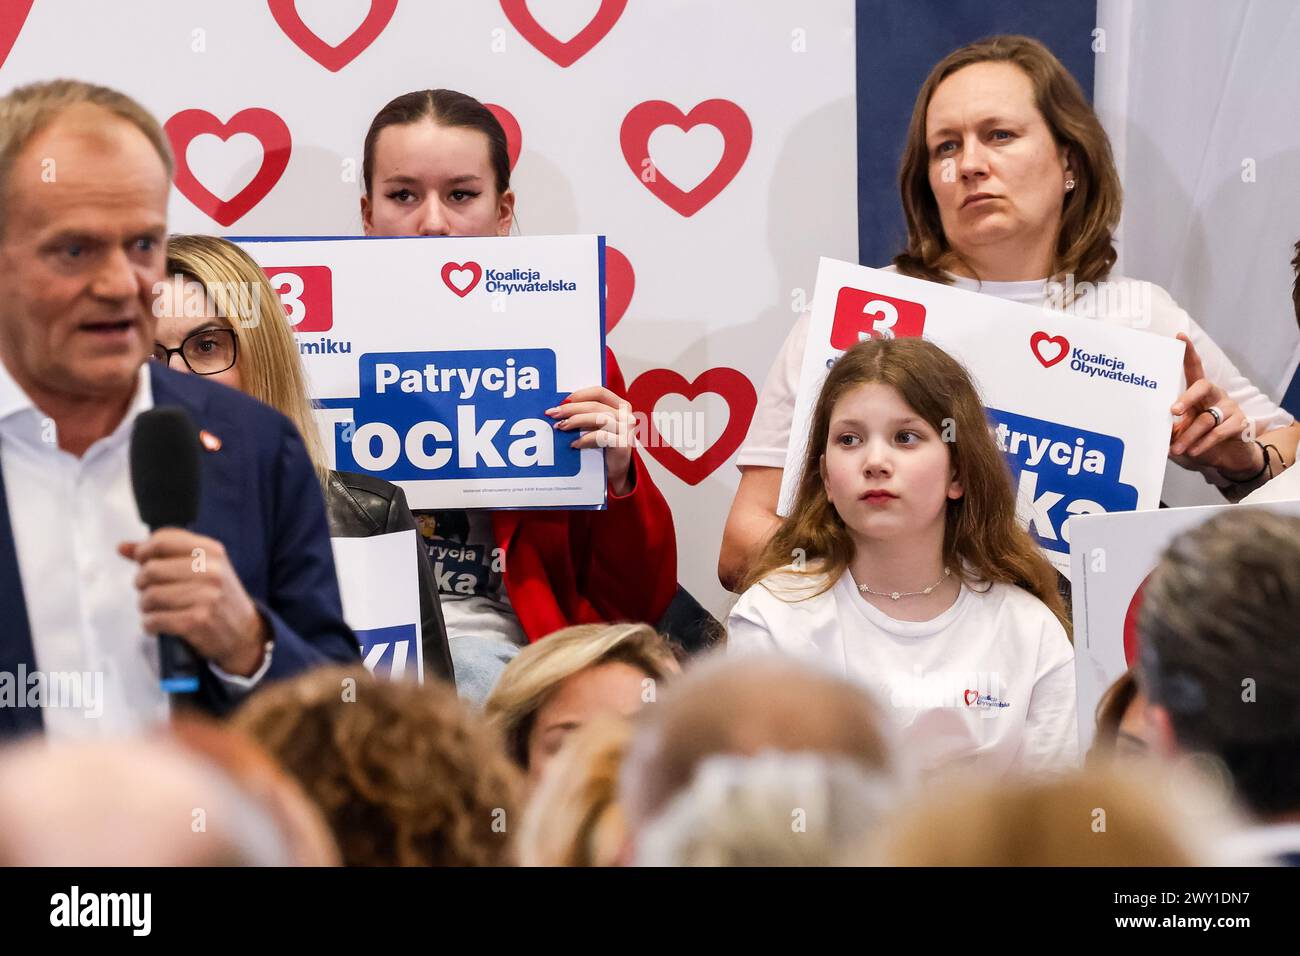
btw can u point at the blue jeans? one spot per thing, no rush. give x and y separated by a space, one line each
479 661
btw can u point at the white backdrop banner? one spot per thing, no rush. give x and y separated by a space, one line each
712 141
434 360
380 588
1211 208
1079 408
1112 556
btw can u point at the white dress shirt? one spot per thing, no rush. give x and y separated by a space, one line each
68 515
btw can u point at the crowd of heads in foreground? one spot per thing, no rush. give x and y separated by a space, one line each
604 746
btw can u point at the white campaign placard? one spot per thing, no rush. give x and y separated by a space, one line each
433 360
1080 408
1112 555
379 585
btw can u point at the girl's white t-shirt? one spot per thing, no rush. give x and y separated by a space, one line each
987 685
1143 305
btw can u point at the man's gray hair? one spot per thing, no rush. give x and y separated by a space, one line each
29 109
772 809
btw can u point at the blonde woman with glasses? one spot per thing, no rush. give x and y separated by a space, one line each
219 317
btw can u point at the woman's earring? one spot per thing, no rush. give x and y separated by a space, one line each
1069 184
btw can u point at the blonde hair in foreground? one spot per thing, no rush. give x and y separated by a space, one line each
269 366
541 667
574 818
1144 815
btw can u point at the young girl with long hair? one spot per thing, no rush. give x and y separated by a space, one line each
902 566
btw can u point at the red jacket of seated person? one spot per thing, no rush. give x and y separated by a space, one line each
587 567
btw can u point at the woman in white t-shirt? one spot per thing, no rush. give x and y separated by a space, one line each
1009 188
902 566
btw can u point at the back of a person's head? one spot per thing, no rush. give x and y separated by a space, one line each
573 818
403 773
773 809
743 706
1097 817
130 802
1220 650
258 774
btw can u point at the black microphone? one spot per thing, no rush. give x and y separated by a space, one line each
165 479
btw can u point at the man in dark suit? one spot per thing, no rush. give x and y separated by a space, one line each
84 179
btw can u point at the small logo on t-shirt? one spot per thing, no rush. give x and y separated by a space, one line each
974 698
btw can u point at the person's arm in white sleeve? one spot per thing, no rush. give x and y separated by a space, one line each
1051 740
761 459
748 629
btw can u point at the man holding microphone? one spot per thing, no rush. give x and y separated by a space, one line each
84 587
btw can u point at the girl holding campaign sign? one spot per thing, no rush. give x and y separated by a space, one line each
1009 189
435 163
902 566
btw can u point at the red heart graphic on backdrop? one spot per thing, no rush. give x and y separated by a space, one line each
462 285
971 696
726 116
1036 346
12 18
514 135
333 58
732 385
568 52
269 130
620 281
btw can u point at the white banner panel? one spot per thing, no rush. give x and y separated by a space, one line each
1112 555
1080 408
379 583
434 360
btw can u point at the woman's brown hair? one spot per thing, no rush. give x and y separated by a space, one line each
982 542
404 774
1085 245
447 108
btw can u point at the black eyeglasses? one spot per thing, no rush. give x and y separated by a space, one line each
205 352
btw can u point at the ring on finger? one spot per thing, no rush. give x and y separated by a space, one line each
1217 414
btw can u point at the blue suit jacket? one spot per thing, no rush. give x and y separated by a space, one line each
260 498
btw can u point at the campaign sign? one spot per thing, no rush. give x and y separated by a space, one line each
379 585
1079 407
1112 555
468 414
432 361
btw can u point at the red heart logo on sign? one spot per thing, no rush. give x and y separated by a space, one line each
1036 346
514 135
333 58
620 281
971 696
461 277
732 385
12 18
268 129
568 52
728 118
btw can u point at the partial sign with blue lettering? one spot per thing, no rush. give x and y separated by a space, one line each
379 585
1077 392
432 361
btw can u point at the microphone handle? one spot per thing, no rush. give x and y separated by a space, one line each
178 664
